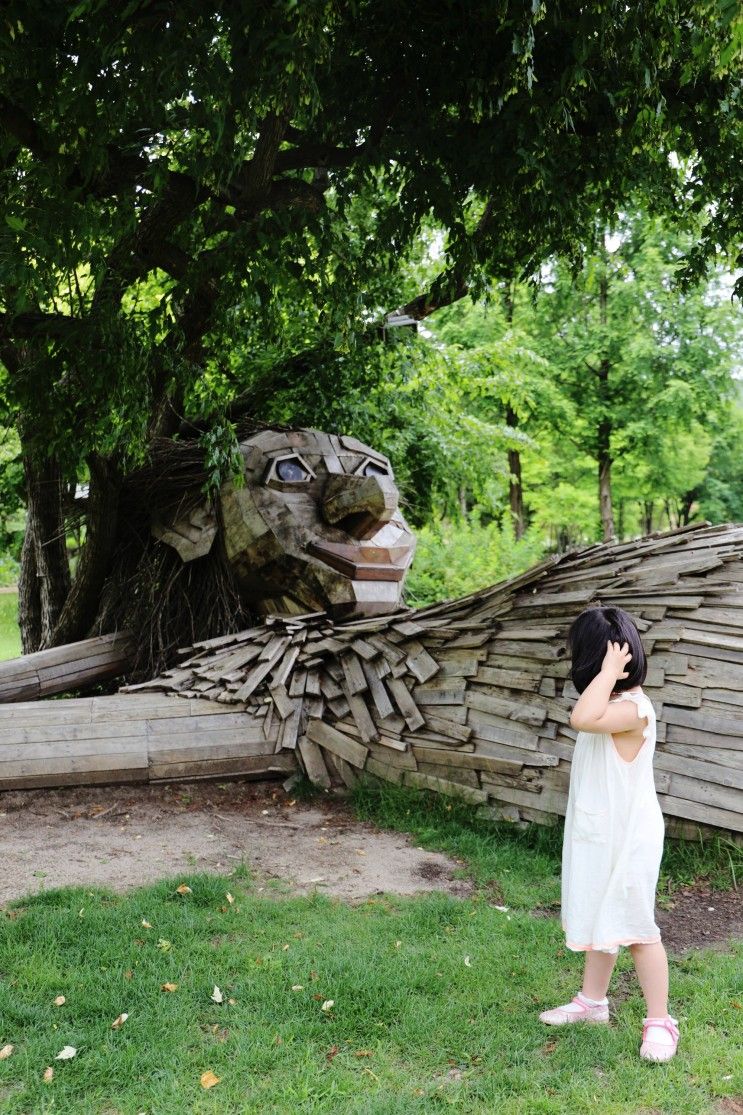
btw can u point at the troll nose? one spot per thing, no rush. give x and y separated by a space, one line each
359 504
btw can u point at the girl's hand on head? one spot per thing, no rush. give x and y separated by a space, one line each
615 659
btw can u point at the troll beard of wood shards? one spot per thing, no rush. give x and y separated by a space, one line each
315 526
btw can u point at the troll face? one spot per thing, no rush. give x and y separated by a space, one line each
315 526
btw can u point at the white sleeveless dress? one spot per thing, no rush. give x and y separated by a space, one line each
613 842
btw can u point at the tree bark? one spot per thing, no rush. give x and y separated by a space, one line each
82 602
604 427
515 486
44 554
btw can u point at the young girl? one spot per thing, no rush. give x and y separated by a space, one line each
613 839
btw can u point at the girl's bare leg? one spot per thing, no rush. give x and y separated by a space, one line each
651 965
597 973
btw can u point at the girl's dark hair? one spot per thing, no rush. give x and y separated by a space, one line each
587 639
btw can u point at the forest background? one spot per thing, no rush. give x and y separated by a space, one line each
553 214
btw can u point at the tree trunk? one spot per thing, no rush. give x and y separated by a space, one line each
604 428
42 604
82 601
647 516
515 488
462 499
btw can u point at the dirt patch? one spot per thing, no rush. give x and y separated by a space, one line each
124 836
697 917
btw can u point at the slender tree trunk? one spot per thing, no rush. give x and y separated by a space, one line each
29 597
82 601
515 487
44 553
647 516
604 428
620 520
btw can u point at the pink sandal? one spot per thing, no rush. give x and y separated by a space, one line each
657 1051
558 1016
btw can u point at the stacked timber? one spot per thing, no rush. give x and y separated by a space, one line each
471 697
128 739
61 669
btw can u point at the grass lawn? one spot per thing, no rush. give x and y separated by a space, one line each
10 636
435 1000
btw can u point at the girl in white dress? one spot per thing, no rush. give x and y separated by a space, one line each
614 830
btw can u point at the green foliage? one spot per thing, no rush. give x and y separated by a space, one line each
222 459
456 558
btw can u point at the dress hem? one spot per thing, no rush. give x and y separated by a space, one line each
611 944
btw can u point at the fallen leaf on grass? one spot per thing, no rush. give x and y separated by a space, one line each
66 1054
6 1051
183 889
60 1001
550 1047
232 1002
216 995
364 1053
169 987
467 962
328 1005
297 987
48 1075
332 1052
146 924
208 1079
229 898
119 1022
128 974
164 945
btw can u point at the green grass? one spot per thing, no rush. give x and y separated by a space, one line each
10 636
436 1000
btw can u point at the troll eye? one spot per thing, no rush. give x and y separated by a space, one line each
291 469
372 468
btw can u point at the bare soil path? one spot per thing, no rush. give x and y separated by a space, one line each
125 836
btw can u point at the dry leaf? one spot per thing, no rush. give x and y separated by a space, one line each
208 1079
216 995
297 987
128 974
332 1052
229 898
66 1054
364 1053
467 962
60 1001
183 889
6 1051
328 1005
164 945
169 987
285 948
232 1002
119 1022
48 1075
146 924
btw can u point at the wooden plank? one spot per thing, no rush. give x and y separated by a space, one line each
378 692
696 811
249 766
444 786
405 703
725 774
459 732
420 663
333 740
353 673
345 771
313 762
385 771
475 761
460 775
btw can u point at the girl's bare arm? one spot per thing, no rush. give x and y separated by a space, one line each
592 712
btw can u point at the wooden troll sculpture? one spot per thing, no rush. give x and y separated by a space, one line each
469 697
